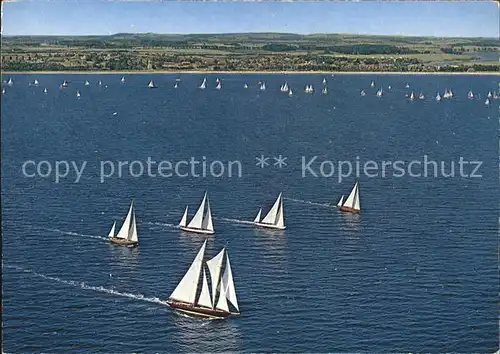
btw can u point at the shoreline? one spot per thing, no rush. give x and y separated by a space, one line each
250 72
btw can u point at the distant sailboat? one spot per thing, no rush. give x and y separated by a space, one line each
175 86
489 94
284 87
407 85
308 89
372 84
438 97
263 86
325 90
470 95
487 102
412 96
274 218
35 82
151 84
100 83
389 87
122 80
10 82
219 86
324 81
450 93
380 92
87 83
245 86
64 84
201 221
203 84
3 90
351 204
217 80
290 93
78 94
184 297
45 90
495 96
128 232
421 96
362 93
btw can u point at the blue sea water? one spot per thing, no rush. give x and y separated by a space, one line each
415 271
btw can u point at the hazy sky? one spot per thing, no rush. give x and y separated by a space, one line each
461 19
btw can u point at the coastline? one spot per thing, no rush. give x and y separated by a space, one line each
249 72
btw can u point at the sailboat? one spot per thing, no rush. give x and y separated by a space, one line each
3 90
412 96
372 84
389 87
45 90
78 94
324 91
218 87
284 87
324 81
407 85
450 93
100 83
263 86
87 83
362 93
201 222
64 84
175 86
10 82
487 102
470 95
351 204
308 89
380 92
151 84
203 84
128 232
122 80
421 96
274 218
290 93
245 86
184 298
495 96
489 94
35 82
438 97
217 80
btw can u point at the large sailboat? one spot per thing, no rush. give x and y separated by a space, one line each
351 204
128 233
184 298
202 220
274 218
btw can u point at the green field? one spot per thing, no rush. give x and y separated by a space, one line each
249 52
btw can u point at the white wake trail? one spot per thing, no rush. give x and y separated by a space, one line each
85 286
172 226
236 221
310 203
74 233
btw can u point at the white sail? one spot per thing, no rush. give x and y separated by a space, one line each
222 303
175 86
421 96
124 230
372 84
380 92
204 83
184 218
10 82
218 87
112 231
487 102
324 81
245 86
87 83
352 200
197 220
207 219
100 83
36 83
324 91
78 94
489 94
45 90
341 201
412 96
151 84
438 97
470 95
257 218
122 80
227 280
215 266
132 234
271 217
290 93
407 86
187 287
205 299
362 93
280 218
217 80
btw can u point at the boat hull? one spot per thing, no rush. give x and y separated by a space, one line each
190 309
198 231
123 242
349 209
269 226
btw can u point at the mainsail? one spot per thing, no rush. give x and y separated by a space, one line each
275 215
352 200
186 289
205 299
215 266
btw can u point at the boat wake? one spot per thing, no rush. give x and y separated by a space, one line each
75 234
236 221
310 203
86 286
172 226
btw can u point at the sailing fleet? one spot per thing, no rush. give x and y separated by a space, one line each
285 87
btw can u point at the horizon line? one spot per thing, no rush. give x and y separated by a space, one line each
239 33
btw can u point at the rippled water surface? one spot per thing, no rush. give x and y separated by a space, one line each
416 271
